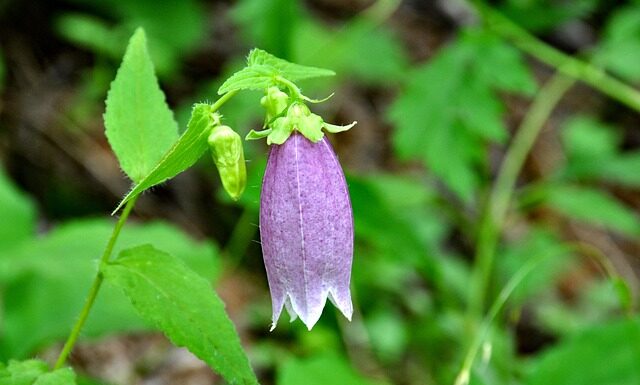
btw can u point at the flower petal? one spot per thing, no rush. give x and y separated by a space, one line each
306 229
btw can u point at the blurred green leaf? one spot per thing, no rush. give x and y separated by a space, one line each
93 33
620 47
52 275
183 305
139 124
542 15
389 334
328 368
518 252
174 28
360 49
595 303
35 372
18 214
605 355
593 154
449 110
183 153
269 24
584 138
592 206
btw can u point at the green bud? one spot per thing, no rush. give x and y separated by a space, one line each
275 102
228 155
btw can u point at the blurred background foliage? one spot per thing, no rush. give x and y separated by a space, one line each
438 98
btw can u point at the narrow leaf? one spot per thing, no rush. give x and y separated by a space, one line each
139 124
593 206
183 305
182 155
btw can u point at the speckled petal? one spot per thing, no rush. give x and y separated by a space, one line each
306 229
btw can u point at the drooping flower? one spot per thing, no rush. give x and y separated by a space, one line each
306 229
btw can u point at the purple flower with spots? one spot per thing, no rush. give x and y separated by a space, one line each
306 229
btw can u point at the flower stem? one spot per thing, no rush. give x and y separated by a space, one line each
496 209
95 287
570 66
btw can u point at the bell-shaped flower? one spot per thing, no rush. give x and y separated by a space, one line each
306 229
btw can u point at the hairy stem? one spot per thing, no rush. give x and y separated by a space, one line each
496 209
568 65
95 287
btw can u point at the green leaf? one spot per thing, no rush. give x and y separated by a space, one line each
263 69
290 71
620 47
361 49
449 111
586 138
323 369
52 274
543 15
258 77
35 372
92 33
270 24
592 206
182 155
63 376
139 124
184 306
18 214
604 355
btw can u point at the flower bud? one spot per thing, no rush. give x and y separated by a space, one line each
228 155
275 102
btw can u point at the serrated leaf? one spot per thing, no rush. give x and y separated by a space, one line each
257 77
184 306
592 206
605 355
449 110
63 376
35 286
182 155
263 69
288 70
35 372
138 123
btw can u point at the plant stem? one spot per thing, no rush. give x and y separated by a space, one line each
495 211
222 100
95 287
498 304
570 66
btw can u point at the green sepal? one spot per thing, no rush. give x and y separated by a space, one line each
281 129
254 135
333 128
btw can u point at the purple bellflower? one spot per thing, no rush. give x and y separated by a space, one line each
306 220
